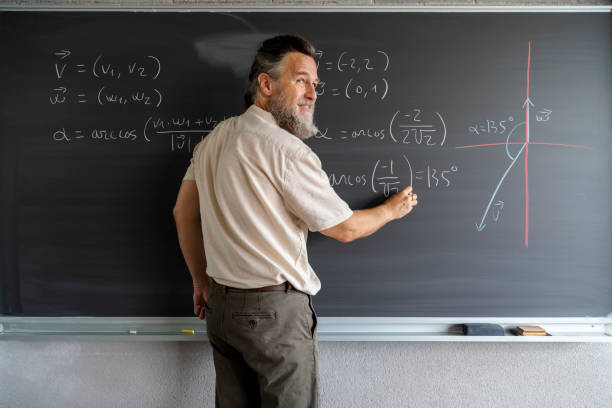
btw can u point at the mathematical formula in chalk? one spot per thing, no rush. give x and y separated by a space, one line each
388 176
353 77
70 67
410 127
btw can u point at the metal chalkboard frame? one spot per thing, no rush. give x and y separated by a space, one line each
420 329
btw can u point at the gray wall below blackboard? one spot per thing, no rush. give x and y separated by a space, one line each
353 375
180 374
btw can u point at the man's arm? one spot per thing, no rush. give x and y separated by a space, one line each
366 222
189 229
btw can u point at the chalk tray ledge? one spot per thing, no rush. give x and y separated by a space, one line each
423 329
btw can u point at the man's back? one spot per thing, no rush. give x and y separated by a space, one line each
253 180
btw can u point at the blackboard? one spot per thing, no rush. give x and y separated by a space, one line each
100 112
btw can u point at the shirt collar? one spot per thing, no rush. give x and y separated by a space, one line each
262 114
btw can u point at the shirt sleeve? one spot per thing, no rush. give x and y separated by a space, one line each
190 174
310 197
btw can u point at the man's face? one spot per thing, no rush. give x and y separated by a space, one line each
293 99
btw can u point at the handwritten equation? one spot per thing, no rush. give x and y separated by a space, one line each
354 89
351 77
388 176
185 133
362 77
493 127
413 127
182 133
146 68
98 134
346 62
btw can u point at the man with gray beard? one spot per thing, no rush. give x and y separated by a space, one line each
289 118
252 192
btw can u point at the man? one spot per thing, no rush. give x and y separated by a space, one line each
250 195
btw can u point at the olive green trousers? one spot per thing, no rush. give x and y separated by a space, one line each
264 347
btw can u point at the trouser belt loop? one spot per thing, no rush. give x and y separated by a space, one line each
287 286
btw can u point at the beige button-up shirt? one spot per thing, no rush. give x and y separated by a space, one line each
261 189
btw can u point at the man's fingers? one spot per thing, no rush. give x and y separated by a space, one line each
199 301
198 310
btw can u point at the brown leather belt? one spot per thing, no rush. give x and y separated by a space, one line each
281 286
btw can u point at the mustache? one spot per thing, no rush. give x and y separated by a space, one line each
305 102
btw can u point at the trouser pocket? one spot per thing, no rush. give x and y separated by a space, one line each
313 330
254 320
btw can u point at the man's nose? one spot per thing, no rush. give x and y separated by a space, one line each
311 92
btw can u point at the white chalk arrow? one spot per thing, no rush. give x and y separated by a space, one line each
62 54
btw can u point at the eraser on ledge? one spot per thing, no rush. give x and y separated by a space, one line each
482 329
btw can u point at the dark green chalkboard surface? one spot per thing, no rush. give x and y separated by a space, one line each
501 122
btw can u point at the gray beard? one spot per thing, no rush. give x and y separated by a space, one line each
291 120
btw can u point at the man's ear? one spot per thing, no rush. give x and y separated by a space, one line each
265 84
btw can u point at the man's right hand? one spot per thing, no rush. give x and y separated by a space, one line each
401 203
200 296
366 222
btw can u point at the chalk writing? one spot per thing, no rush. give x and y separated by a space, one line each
137 97
435 177
355 89
418 127
544 115
491 127
363 133
383 175
390 175
149 68
145 67
63 135
182 142
415 127
347 62
184 132
59 95
356 77
348 180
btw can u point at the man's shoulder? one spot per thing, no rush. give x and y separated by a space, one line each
259 131
220 129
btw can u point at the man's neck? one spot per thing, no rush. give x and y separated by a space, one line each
262 104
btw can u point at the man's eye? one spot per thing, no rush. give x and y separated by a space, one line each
300 81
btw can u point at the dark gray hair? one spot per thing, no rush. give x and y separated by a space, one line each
268 60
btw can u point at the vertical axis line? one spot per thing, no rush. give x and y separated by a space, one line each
527 152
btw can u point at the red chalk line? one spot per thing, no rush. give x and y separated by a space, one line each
527 153
530 143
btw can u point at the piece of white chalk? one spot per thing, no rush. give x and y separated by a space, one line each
133 332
